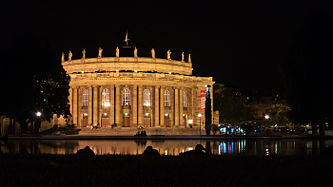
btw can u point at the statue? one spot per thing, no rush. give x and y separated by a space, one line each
100 50
62 57
152 53
169 54
182 56
70 55
83 54
117 52
135 52
189 58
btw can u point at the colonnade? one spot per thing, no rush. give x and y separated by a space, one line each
136 114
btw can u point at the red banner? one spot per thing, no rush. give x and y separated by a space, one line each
202 100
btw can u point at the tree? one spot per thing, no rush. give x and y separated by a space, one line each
232 108
208 112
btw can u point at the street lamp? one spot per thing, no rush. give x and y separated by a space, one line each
38 114
266 116
200 115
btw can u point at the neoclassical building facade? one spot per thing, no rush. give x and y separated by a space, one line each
135 91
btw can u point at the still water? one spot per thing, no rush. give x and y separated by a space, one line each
168 147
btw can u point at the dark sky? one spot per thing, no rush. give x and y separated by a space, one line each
240 43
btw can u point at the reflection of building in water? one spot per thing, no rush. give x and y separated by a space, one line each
168 147
135 91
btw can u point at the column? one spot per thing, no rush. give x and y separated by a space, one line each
156 116
70 99
90 105
135 106
192 105
176 108
75 106
140 114
211 101
181 107
95 105
78 117
161 107
112 107
117 105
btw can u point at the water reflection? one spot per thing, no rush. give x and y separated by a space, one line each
167 147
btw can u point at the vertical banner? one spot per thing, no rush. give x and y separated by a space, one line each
202 100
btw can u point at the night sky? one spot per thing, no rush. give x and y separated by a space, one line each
242 44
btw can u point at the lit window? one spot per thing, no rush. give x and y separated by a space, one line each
126 97
166 97
146 98
105 98
85 98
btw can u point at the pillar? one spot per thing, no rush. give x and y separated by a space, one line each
75 106
176 108
181 108
90 105
135 106
140 107
112 106
70 99
161 108
118 105
156 97
95 105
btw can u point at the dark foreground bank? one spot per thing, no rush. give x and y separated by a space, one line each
111 170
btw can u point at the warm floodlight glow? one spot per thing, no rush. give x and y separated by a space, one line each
266 116
199 115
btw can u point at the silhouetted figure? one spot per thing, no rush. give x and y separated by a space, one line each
85 152
150 152
198 151
141 133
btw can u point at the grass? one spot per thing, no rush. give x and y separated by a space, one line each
117 170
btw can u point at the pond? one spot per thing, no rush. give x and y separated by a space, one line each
258 147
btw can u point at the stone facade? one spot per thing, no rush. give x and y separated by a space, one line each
134 92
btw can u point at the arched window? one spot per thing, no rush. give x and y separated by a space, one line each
166 98
105 98
146 98
184 99
126 97
85 97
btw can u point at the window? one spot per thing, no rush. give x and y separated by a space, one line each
105 98
184 100
146 98
126 97
166 98
85 98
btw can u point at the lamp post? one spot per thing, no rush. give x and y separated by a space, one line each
200 115
37 122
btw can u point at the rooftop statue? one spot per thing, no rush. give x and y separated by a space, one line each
135 52
169 54
62 57
83 54
152 53
100 50
182 56
189 58
70 55
117 52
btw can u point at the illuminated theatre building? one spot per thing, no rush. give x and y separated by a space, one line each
135 91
